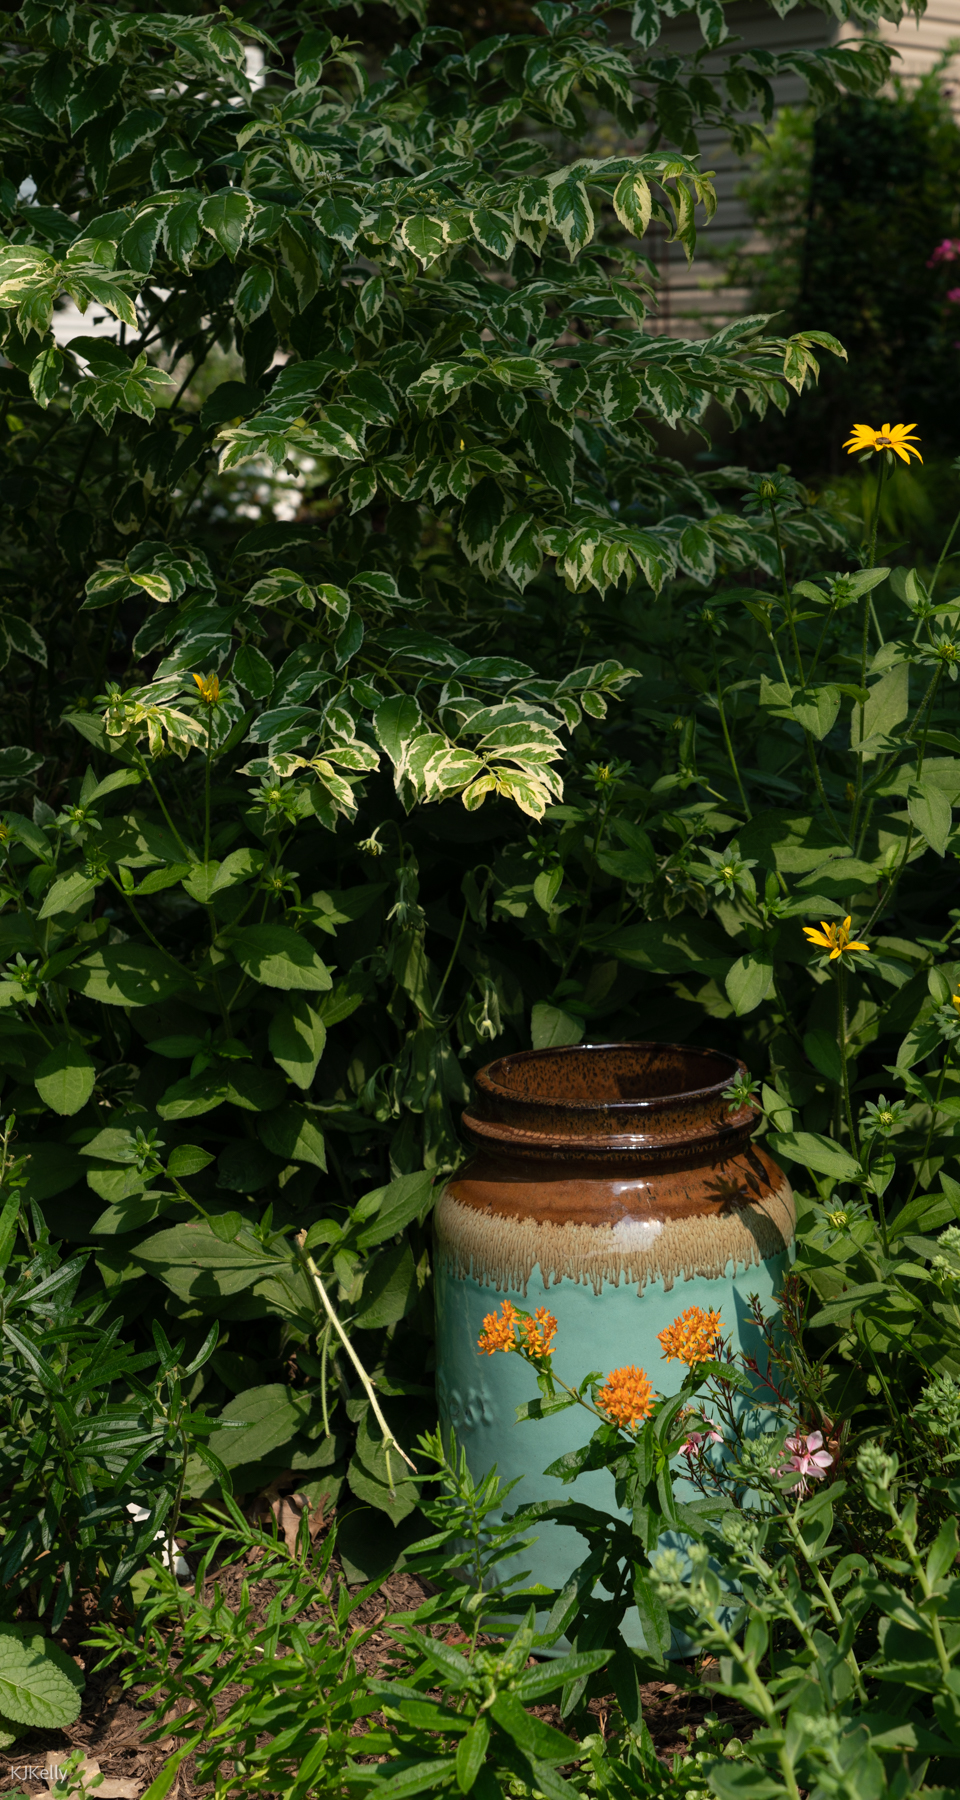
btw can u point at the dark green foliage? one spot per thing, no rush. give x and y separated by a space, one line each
855 202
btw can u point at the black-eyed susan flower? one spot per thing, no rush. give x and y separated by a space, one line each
890 437
834 938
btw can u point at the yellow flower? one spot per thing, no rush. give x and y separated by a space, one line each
209 686
626 1397
691 1338
956 999
835 938
889 437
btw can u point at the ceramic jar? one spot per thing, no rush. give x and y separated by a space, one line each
612 1185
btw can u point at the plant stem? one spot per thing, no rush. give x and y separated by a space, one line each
787 602
790 1521
146 772
453 957
313 1273
876 511
727 740
206 788
842 1042
943 554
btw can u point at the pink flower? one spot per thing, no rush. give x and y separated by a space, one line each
947 251
699 1441
808 1458
954 295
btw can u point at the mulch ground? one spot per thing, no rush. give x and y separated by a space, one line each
111 1726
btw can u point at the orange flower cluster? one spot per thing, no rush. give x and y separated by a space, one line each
498 1332
626 1397
691 1338
539 1332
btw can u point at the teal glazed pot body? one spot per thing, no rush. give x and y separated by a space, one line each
613 1186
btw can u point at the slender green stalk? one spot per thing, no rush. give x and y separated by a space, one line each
930 1130
821 790
453 957
842 1042
884 458
943 554
206 786
134 909
313 1274
147 774
727 740
787 602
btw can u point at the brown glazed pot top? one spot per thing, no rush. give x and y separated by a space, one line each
596 1134
601 1100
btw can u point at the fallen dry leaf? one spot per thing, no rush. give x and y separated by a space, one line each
108 1789
287 1510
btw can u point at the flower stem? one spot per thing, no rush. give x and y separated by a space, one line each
313 1274
842 1042
876 510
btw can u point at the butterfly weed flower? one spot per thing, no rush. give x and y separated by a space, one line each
835 939
897 439
510 1330
626 1397
539 1332
691 1338
499 1330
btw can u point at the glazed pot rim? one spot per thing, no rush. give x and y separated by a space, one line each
489 1085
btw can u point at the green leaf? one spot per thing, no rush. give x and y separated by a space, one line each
65 1079
291 1134
424 236
633 202
549 448
226 216
824 1053
45 376
187 1159
254 293
748 982
409 1197
297 1036
390 1288
127 975
271 1417
39 1684
550 1025
253 671
339 217
471 1752
572 214
278 957
396 722
818 1153
887 706
397 1504
69 894
930 813
240 1276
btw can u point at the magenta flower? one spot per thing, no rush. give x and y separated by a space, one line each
954 295
947 251
808 1458
699 1440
